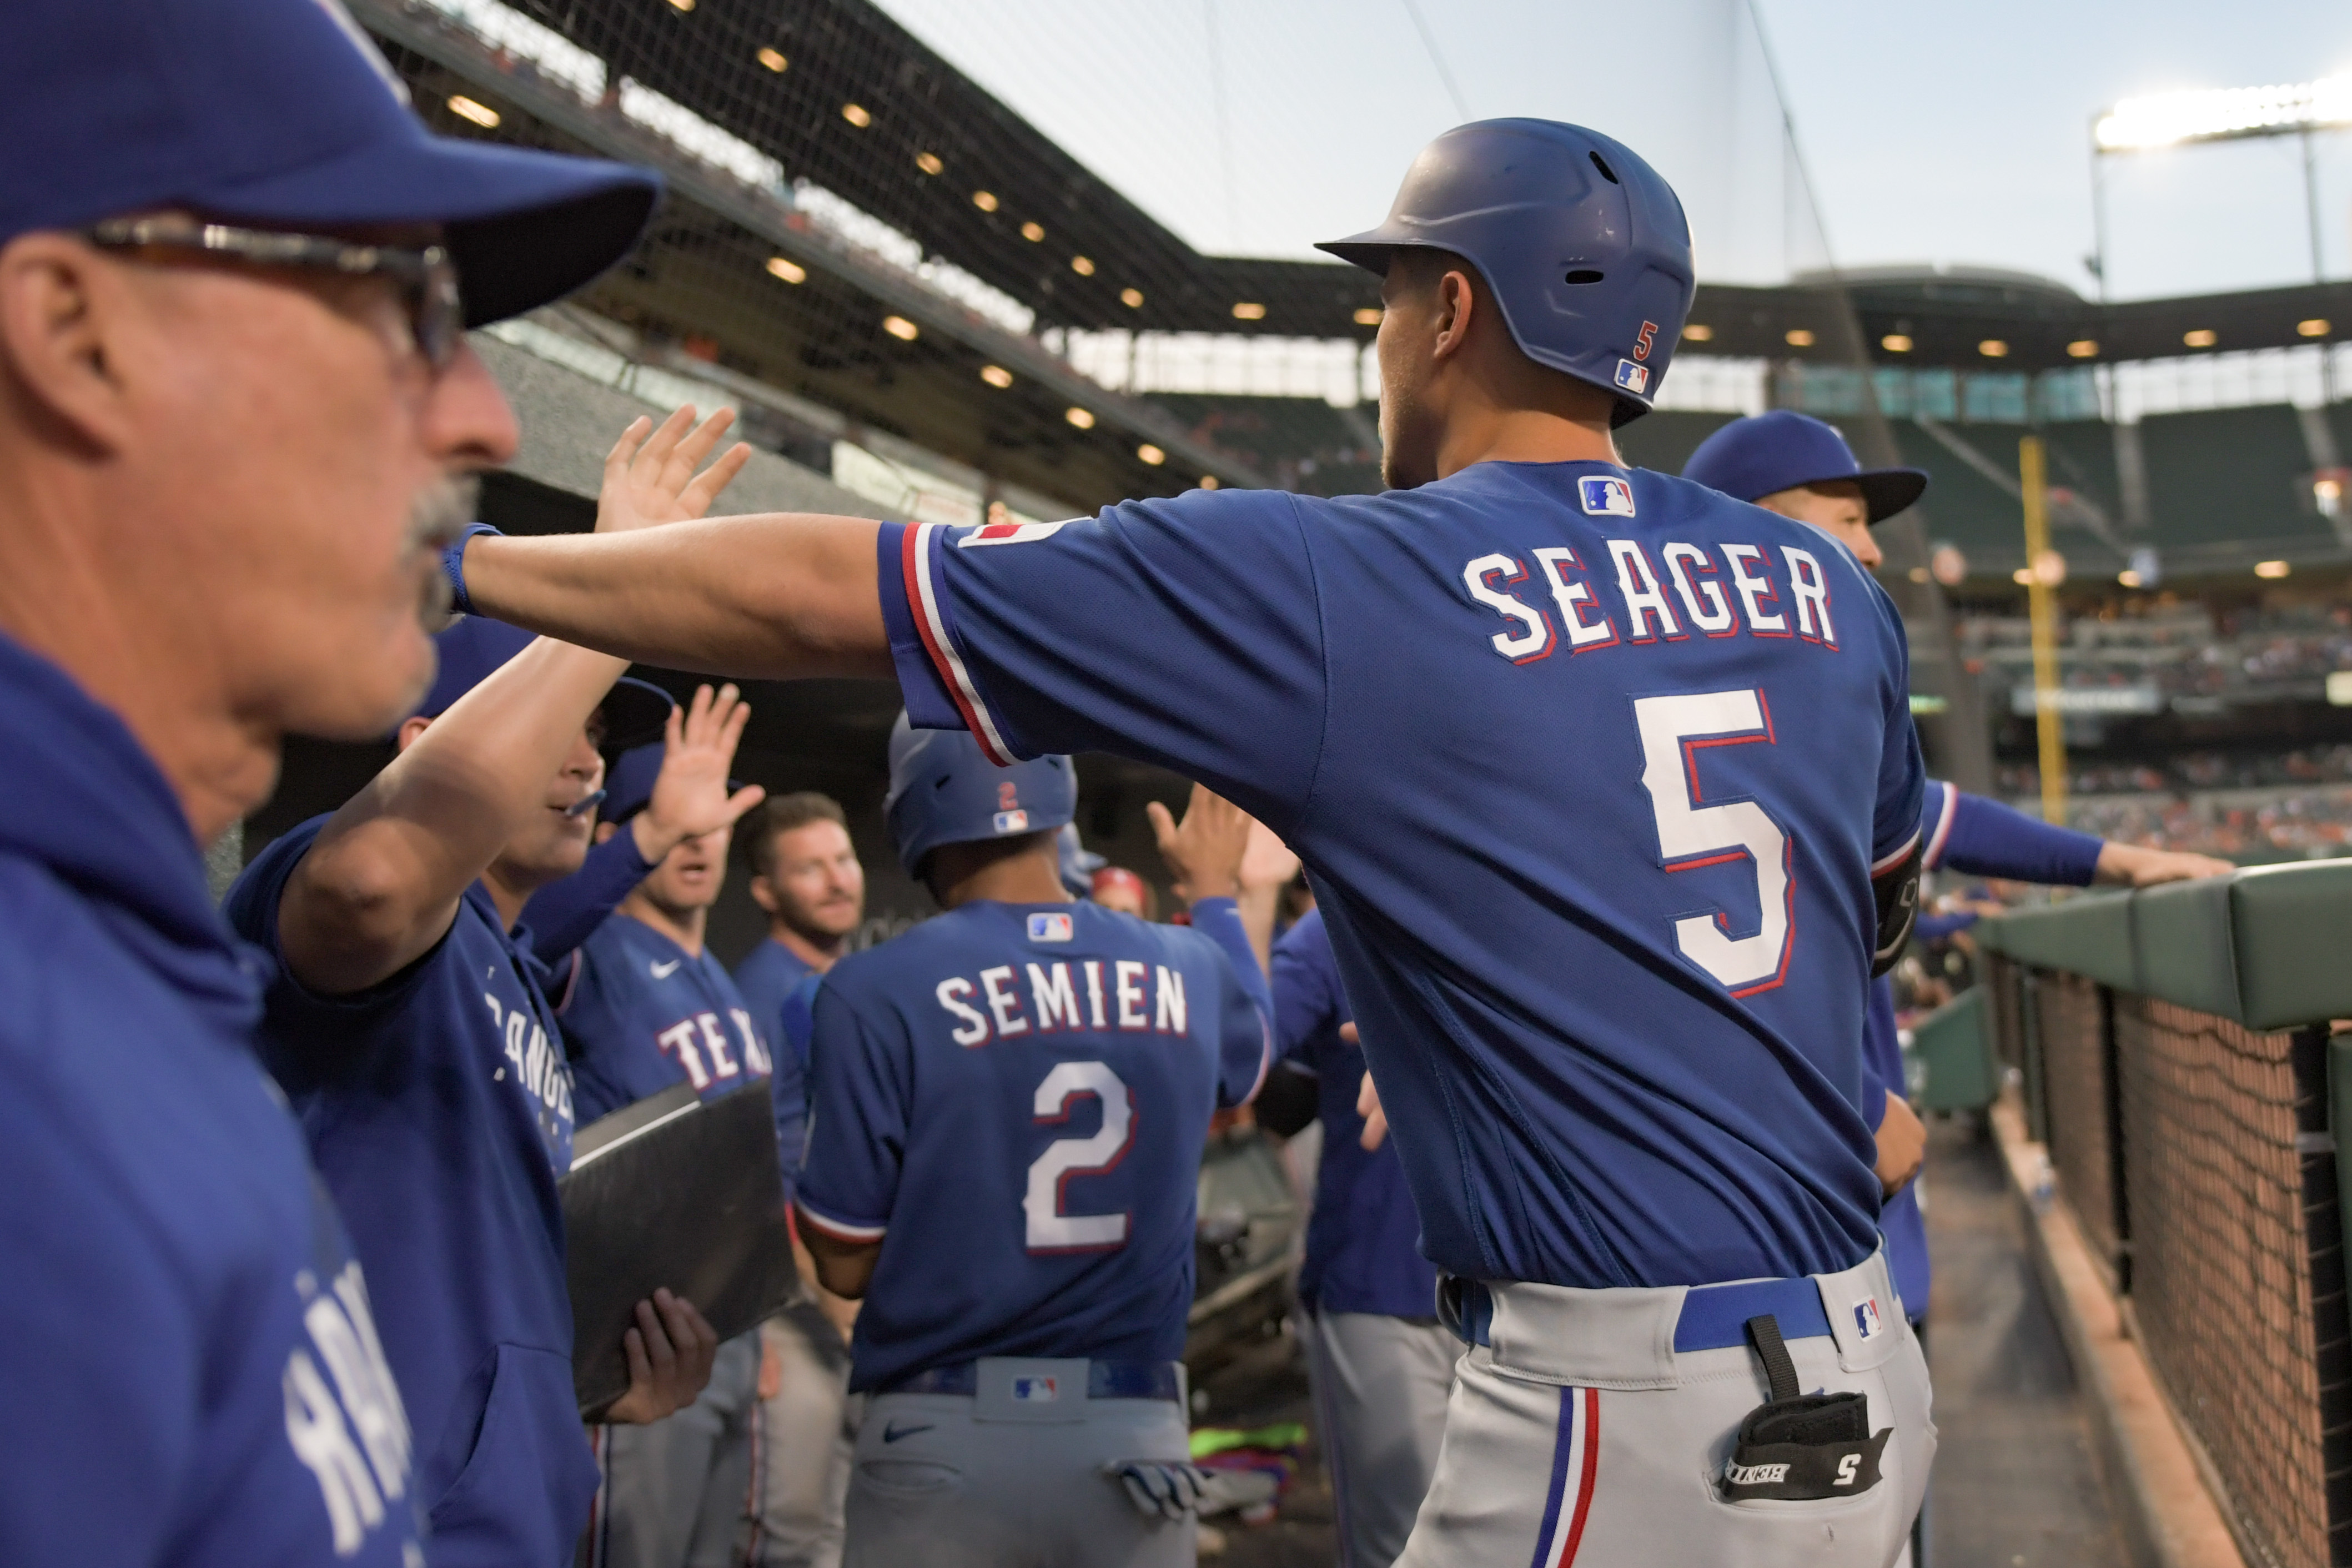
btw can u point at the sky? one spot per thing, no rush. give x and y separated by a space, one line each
1945 133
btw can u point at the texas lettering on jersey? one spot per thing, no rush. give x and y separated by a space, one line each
700 1048
1677 592
1122 994
343 1416
539 1068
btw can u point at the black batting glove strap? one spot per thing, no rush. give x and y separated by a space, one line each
1896 893
1800 1448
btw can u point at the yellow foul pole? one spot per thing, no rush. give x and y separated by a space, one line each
2042 604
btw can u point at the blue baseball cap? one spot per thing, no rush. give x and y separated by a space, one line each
283 114
1765 453
473 646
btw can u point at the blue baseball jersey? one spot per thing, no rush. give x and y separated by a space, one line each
1984 839
1011 1099
439 1108
766 977
191 1364
644 1013
1901 1222
1591 770
1363 1251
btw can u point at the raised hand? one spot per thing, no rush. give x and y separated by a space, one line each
690 795
650 476
1203 852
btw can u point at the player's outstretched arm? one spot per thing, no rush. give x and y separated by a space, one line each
2136 866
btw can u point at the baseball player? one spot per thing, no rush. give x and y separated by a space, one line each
650 1007
1608 790
805 878
1007 1110
406 1018
1380 1363
238 402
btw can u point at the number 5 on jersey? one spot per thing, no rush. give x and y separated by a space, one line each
1674 729
1050 1229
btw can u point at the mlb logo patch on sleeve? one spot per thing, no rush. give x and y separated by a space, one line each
1046 927
1865 1318
1035 1390
1634 378
1604 496
1009 533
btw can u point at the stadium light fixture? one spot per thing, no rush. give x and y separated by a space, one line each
2082 348
1032 231
898 327
984 200
1370 316
1895 343
1083 266
774 59
1083 418
1131 298
1799 337
996 375
1152 454
1209 482
2202 338
2127 578
2317 327
1993 348
1248 311
682 6
929 162
791 271
1698 331
481 114
857 115
2272 569
2222 114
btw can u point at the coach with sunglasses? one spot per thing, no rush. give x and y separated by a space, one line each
237 416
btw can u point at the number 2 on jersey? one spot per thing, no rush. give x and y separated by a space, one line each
1051 1230
1674 729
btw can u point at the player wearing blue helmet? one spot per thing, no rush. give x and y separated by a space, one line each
1609 792
1007 1113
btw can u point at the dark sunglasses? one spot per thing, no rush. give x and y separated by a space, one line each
427 277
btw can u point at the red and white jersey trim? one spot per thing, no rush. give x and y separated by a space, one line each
841 1229
922 597
1009 534
1935 856
1894 857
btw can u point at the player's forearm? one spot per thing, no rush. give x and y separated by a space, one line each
773 597
383 881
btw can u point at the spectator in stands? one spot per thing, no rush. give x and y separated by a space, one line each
1116 887
807 875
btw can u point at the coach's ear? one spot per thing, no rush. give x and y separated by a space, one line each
66 314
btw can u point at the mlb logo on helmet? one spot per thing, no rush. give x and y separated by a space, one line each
1035 1390
1605 497
1634 378
1865 1318
1050 928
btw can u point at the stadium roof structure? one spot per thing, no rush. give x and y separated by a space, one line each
855 221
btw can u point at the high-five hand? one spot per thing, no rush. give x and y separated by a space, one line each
650 476
690 793
1204 851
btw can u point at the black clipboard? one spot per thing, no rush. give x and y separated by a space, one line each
672 1191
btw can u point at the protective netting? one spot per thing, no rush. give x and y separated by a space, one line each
2080 1110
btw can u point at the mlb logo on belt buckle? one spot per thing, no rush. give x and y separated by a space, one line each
1605 497
1634 378
1035 1390
1865 1318
1011 822
1049 927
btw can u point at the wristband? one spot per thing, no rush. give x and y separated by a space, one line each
453 566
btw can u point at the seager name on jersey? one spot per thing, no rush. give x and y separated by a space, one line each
1680 591
1091 994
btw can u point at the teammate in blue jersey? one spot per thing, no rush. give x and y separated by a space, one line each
407 1020
648 1008
1607 786
806 879
1380 1363
1007 1112
239 410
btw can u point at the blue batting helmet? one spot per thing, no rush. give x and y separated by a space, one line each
1584 246
944 791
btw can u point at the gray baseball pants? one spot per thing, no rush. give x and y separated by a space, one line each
1381 1389
1578 1436
808 1426
985 1481
675 1492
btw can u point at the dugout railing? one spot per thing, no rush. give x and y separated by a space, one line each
2177 1058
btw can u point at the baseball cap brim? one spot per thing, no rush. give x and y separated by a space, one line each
525 227
635 712
1886 491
